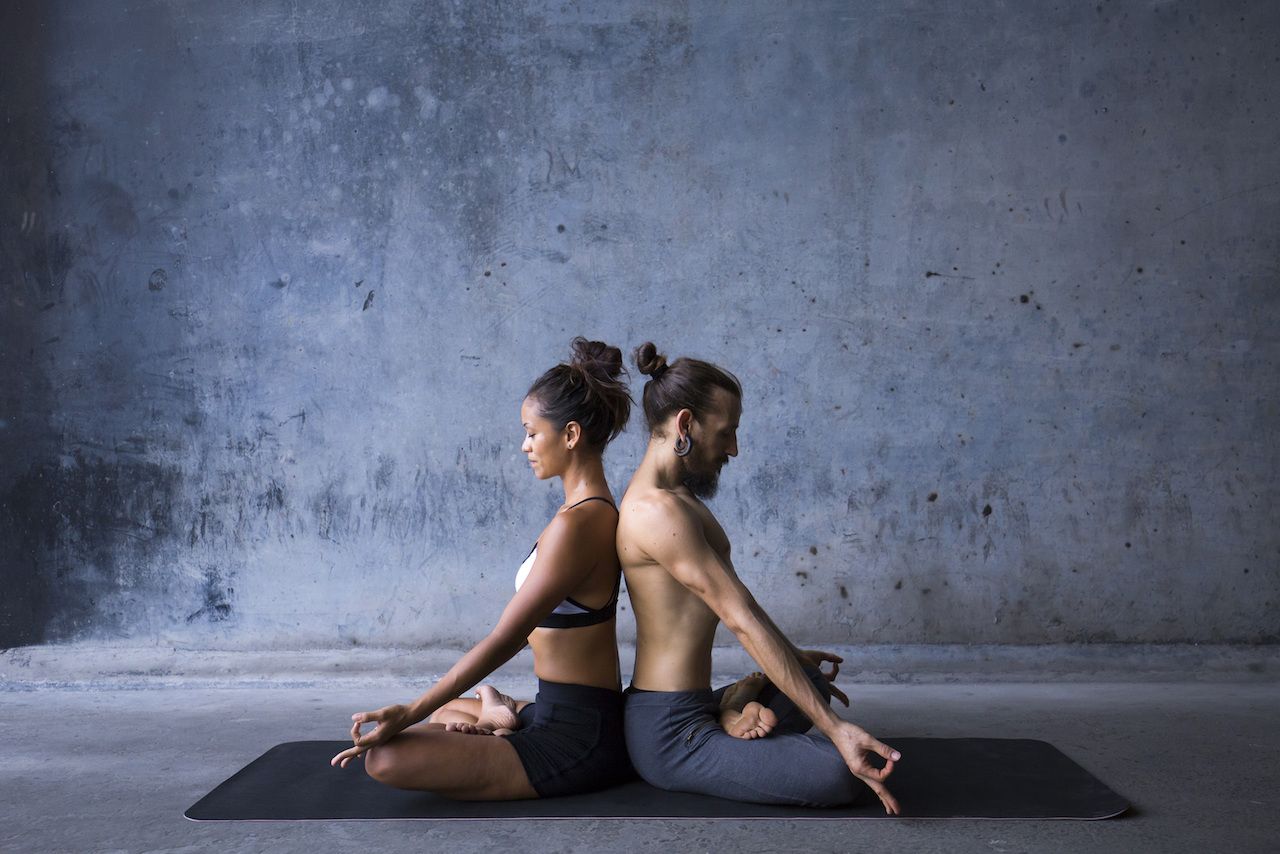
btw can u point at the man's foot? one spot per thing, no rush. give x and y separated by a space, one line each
497 711
754 721
740 715
746 689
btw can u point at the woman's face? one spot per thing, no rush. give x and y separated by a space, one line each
544 445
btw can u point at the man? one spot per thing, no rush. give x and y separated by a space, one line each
682 583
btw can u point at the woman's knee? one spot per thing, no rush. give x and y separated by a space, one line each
381 764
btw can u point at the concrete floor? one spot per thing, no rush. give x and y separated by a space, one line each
96 768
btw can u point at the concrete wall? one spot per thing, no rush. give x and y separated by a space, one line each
1000 281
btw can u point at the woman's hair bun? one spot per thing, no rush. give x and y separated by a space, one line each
596 356
650 362
587 390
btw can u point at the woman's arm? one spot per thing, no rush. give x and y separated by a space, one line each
565 558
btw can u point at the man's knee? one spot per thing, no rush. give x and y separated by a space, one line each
830 783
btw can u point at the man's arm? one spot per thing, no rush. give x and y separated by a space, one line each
672 535
814 658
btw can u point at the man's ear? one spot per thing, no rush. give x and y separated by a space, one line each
684 422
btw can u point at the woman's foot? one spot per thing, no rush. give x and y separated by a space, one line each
497 711
466 728
497 715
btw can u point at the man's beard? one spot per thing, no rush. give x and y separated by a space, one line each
703 484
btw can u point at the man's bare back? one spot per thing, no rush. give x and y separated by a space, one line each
674 628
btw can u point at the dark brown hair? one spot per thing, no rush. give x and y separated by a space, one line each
684 384
586 389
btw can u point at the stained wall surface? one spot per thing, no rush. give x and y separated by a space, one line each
1000 282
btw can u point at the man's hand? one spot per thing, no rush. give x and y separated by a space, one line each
816 657
856 745
390 720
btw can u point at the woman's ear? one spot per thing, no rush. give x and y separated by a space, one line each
572 434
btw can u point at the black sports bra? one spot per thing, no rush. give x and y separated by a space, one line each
570 613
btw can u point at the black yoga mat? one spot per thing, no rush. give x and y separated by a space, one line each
989 778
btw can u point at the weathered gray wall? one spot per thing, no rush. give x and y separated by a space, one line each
1000 281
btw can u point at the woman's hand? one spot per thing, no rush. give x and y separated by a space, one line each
389 719
856 745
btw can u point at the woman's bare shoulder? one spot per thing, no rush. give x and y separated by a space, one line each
582 520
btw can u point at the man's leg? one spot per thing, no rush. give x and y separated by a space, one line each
782 768
676 743
741 714
790 718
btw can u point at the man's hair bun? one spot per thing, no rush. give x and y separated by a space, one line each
650 362
684 384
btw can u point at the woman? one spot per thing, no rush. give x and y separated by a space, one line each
570 739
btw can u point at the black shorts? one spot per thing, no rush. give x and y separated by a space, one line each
571 740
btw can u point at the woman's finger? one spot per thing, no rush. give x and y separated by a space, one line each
345 756
839 695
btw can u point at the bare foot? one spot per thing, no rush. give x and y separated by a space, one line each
497 711
746 689
754 721
466 728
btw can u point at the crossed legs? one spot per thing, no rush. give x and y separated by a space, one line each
428 757
741 714
490 712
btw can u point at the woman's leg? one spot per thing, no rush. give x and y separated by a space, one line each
468 710
463 710
451 764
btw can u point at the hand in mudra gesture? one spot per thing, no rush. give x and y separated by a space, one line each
856 746
389 719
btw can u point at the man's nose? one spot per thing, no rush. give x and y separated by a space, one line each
733 448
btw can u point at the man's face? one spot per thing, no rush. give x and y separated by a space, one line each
715 439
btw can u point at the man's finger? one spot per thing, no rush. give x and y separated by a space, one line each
838 694
870 772
884 750
890 802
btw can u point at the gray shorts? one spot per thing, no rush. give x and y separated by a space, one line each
676 743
